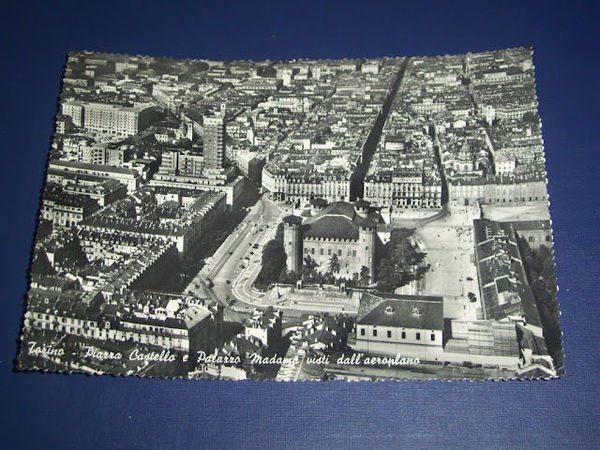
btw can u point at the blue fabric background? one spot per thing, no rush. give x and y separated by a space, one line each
59 412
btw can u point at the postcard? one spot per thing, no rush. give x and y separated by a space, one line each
355 219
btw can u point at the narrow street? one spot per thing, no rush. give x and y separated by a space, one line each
370 146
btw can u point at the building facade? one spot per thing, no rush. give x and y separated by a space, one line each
184 164
109 119
288 187
406 190
59 171
214 140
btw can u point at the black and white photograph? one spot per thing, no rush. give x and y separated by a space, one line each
327 219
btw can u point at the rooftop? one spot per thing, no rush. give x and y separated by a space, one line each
338 220
76 165
401 311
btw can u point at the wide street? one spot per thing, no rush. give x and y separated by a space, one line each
239 257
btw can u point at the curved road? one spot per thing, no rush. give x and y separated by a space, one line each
232 269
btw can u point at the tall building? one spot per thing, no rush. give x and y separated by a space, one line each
214 140
190 165
92 154
169 163
292 242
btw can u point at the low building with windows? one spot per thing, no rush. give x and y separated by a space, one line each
498 191
405 325
59 171
166 321
103 190
299 183
180 219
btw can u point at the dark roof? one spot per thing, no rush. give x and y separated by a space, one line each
335 227
50 280
502 284
529 306
499 260
62 165
292 220
339 221
531 225
369 221
402 311
340 209
362 204
528 340
319 202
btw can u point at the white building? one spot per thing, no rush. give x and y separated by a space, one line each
399 325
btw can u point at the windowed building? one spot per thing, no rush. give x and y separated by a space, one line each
399 325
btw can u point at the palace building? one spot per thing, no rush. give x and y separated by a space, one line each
346 230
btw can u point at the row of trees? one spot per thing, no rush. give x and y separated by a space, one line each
311 273
273 263
274 269
400 263
273 260
539 265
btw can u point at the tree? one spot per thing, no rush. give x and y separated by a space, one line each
539 266
279 233
328 278
385 283
292 276
287 277
334 264
401 262
531 117
197 66
41 264
266 71
164 66
273 259
309 267
365 277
